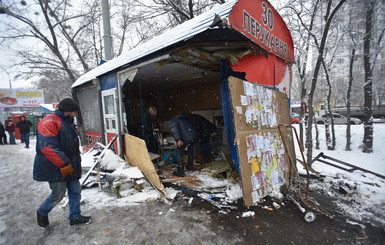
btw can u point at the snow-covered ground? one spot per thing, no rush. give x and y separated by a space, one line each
366 198
364 202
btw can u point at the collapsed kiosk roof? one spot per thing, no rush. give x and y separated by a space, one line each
188 31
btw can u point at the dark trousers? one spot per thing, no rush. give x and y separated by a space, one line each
25 139
205 144
151 143
179 157
205 149
58 192
3 139
12 138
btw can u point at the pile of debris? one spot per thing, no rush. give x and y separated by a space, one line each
140 173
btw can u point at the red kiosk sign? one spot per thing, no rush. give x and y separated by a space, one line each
262 24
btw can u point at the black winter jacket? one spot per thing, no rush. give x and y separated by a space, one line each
182 129
203 126
24 126
145 126
2 129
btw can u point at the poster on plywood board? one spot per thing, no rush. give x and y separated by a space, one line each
257 112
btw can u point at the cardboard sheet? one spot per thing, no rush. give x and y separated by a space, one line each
137 155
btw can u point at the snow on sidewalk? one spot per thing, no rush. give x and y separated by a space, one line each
366 198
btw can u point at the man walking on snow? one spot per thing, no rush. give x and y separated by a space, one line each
24 127
58 162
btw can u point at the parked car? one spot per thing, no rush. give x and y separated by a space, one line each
379 120
338 119
295 118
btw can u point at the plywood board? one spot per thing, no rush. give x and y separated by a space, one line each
137 155
264 163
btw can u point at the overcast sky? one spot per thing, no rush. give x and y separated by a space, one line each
8 73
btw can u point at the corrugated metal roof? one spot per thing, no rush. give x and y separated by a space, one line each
179 33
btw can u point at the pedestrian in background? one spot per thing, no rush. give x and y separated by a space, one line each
10 128
58 162
24 126
3 136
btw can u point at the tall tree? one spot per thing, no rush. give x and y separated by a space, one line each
330 138
329 15
352 39
301 22
348 100
319 37
52 37
372 45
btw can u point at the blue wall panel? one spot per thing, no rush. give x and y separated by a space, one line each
108 81
226 72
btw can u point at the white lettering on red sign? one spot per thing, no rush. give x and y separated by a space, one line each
263 31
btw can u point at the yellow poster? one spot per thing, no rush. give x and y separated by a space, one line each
255 165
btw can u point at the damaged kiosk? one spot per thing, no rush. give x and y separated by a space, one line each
232 64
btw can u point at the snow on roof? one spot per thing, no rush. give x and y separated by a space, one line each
179 33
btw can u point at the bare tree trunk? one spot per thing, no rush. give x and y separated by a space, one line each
368 110
302 71
302 113
316 135
329 19
330 142
348 102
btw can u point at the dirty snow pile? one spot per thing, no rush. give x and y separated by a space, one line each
109 162
121 185
360 195
233 190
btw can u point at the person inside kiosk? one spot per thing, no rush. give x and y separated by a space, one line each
146 129
187 130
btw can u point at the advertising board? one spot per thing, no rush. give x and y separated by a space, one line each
21 97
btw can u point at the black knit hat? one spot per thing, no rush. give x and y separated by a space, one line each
68 104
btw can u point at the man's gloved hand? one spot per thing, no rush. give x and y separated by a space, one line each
67 170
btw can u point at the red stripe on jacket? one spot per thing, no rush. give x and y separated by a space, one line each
49 126
51 155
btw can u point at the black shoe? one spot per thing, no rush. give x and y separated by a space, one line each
176 173
42 220
81 220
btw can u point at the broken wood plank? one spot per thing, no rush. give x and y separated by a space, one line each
192 183
176 179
